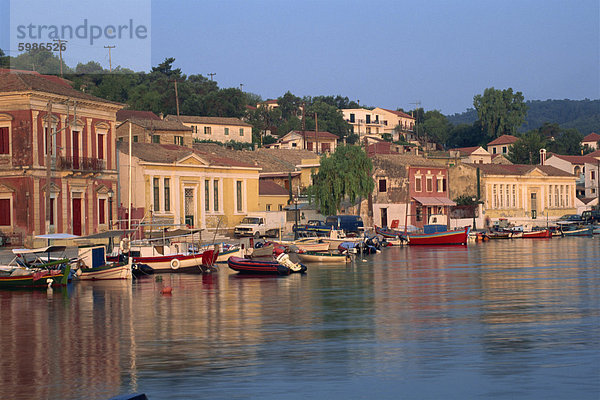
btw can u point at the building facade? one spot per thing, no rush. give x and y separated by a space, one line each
49 130
182 186
318 142
219 129
501 145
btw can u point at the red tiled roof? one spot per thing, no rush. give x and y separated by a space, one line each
123 115
504 139
575 159
466 150
398 113
159 125
193 119
594 154
518 169
26 81
320 135
592 137
269 188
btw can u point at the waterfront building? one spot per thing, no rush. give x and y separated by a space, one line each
182 185
41 114
219 129
585 168
408 188
271 196
524 193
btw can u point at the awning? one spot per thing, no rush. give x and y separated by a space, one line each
434 201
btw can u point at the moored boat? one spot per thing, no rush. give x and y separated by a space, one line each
265 265
324 257
499 235
453 237
587 231
92 265
541 234
36 272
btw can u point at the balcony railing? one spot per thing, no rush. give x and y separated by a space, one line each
80 163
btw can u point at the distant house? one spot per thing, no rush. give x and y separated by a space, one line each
219 129
382 147
591 141
501 145
585 168
319 142
500 159
379 121
154 131
474 155
397 119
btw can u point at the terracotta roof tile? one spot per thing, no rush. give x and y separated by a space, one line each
407 160
398 113
123 115
466 150
592 137
192 119
518 169
504 139
269 188
575 159
25 81
320 134
159 125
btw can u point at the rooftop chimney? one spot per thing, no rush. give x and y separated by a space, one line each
542 156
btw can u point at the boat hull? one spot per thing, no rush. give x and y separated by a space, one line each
253 266
122 271
316 257
543 234
38 279
579 232
192 263
455 237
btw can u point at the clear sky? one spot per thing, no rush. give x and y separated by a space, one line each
383 53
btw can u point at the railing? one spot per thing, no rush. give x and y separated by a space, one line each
80 163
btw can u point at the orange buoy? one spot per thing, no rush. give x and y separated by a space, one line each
166 290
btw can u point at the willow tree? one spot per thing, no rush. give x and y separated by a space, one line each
344 174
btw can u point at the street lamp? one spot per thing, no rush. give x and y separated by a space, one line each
110 202
296 217
474 208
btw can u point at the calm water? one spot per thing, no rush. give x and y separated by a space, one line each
500 320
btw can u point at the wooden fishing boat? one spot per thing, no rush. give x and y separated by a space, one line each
499 235
324 257
92 265
310 244
388 233
587 231
264 265
542 234
22 272
458 236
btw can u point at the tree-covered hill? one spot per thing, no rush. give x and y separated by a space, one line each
583 115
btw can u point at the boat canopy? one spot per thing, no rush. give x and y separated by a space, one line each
47 249
57 236
106 235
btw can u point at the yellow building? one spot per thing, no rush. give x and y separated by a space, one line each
179 185
218 129
522 193
271 196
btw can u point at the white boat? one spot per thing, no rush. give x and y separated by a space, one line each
92 265
338 237
322 257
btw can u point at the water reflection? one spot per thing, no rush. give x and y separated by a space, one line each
508 318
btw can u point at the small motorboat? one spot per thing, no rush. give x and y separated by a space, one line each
499 235
324 257
453 237
40 271
282 265
587 231
92 265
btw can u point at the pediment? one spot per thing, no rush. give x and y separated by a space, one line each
6 189
537 172
192 159
54 188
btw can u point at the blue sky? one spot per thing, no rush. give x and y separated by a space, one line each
383 53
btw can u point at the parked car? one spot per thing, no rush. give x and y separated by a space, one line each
591 216
570 219
347 223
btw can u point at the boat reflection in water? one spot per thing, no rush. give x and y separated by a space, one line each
406 320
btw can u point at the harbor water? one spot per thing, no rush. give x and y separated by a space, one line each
504 319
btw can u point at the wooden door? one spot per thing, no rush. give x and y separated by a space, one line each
77 217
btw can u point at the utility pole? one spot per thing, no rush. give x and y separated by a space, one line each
109 56
176 98
211 75
417 105
316 134
241 87
303 125
60 44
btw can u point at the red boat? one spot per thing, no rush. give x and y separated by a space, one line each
264 265
458 236
543 234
